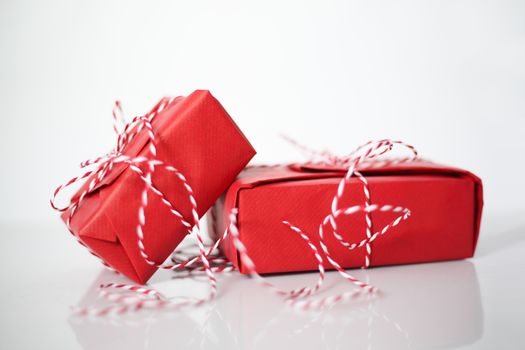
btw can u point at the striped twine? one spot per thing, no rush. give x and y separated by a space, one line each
129 297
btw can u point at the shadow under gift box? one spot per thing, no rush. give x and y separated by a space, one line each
195 135
445 204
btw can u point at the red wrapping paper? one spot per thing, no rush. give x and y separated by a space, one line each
194 134
445 203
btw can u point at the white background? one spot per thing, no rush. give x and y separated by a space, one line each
445 76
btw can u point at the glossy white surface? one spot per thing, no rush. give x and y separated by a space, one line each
472 304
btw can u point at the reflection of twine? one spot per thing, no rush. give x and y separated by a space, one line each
265 328
205 325
371 313
359 313
153 317
325 317
310 323
396 325
228 326
370 318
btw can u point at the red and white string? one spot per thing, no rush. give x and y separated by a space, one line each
139 297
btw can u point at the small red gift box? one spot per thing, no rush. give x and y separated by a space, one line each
193 134
445 205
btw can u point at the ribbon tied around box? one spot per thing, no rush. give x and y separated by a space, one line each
128 297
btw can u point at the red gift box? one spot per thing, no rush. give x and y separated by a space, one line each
195 135
445 205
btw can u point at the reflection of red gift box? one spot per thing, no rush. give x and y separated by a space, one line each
445 204
427 306
194 134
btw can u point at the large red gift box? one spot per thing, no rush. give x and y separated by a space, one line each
195 135
445 205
